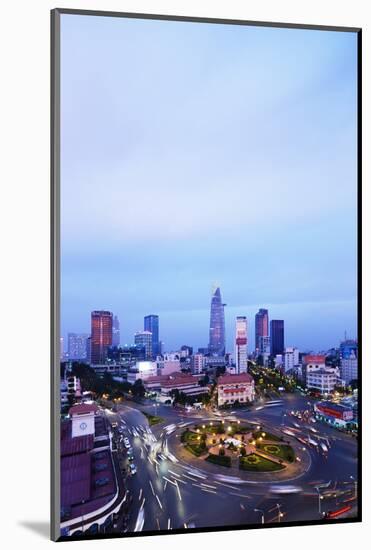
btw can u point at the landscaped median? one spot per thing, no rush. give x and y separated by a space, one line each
257 463
194 442
284 452
238 445
152 419
220 460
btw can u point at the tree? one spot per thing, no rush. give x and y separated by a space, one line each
138 388
204 381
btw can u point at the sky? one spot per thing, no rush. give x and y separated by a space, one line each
194 154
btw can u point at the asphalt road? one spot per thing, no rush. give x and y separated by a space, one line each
168 494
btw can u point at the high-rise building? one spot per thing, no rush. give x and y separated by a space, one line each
197 363
77 346
291 358
261 327
241 345
217 324
101 336
277 337
144 338
265 345
116 331
151 324
349 360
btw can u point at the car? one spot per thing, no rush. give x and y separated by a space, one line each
127 443
130 457
132 469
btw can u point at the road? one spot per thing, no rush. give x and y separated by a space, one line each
184 494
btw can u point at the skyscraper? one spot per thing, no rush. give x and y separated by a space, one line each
277 337
77 346
151 324
217 325
144 338
116 331
101 335
261 327
241 345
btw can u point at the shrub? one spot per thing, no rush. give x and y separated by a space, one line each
220 460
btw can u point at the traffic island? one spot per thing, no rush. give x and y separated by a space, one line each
239 446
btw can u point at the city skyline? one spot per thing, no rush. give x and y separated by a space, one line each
249 177
251 332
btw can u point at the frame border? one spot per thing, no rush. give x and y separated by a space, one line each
55 102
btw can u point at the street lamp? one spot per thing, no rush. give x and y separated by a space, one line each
262 513
320 497
280 514
355 486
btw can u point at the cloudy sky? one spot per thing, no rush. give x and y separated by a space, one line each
195 153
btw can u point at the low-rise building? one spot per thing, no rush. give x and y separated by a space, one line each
334 413
141 371
165 384
167 366
235 387
322 379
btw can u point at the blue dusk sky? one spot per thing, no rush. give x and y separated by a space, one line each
198 153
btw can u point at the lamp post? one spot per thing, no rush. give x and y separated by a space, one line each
355 486
262 513
279 512
320 497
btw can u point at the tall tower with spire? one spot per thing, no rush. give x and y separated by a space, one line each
217 324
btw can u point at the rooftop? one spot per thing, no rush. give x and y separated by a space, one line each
314 359
334 406
235 379
83 408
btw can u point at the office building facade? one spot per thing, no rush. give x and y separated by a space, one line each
217 324
144 339
151 324
261 328
277 337
101 336
241 343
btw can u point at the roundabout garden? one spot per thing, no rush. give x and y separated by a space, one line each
238 445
